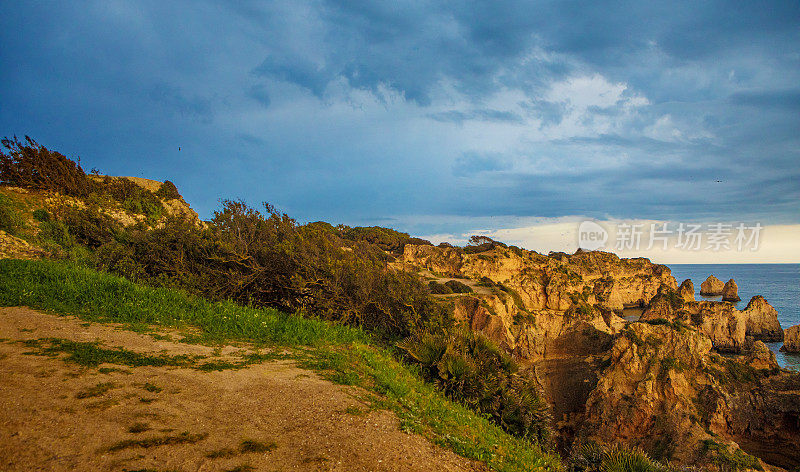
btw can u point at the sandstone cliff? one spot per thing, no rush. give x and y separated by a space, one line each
791 339
686 290
551 283
669 383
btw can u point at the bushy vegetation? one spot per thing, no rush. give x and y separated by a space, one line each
28 164
10 217
31 165
478 244
267 259
458 287
385 238
168 191
437 288
727 460
592 457
472 370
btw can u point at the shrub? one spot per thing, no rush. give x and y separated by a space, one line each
728 461
133 197
41 215
439 289
385 238
267 259
471 369
168 191
90 227
32 165
458 287
11 220
592 457
56 232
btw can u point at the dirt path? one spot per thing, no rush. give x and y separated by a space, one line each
60 416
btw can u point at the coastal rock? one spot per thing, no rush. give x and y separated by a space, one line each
665 390
724 324
762 320
647 393
686 290
556 282
791 339
761 357
730 292
712 286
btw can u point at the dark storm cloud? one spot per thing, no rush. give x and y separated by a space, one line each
355 111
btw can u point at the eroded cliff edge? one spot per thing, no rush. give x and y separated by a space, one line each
688 381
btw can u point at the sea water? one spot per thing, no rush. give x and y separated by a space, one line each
778 283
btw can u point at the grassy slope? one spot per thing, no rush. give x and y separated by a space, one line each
342 354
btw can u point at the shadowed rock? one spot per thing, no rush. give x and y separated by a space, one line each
791 339
730 292
686 290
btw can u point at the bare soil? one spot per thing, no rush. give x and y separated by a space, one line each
302 422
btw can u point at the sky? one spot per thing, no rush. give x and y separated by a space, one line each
512 119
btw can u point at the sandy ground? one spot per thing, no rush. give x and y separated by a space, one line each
314 424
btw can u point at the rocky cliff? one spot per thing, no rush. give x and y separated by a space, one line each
659 383
551 283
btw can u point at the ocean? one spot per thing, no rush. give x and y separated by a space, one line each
778 283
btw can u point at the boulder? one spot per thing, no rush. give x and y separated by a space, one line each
730 292
761 357
712 286
791 339
762 320
686 290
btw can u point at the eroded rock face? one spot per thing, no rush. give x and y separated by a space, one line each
761 357
762 320
647 391
667 392
730 330
556 282
730 292
791 339
686 290
712 286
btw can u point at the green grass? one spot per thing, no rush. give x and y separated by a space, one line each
340 353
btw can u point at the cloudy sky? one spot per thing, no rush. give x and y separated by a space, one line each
515 119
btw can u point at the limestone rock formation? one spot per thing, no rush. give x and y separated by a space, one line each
668 383
686 290
712 286
761 357
791 339
550 283
762 320
730 292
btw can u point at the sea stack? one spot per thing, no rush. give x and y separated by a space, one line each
686 290
712 286
791 339
730 292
